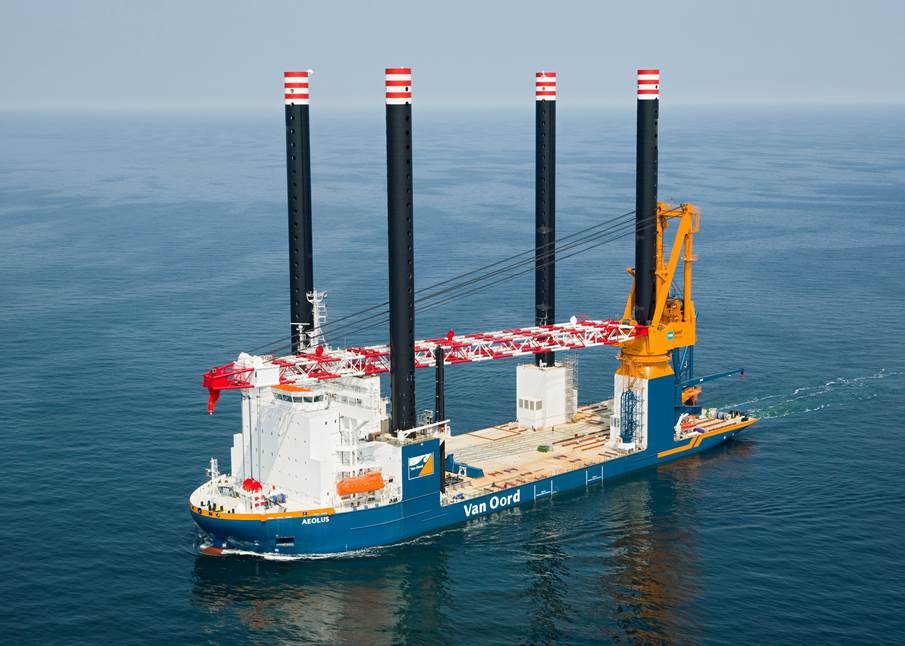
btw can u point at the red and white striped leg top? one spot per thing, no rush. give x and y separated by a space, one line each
648 85
399 85
545 86
295 87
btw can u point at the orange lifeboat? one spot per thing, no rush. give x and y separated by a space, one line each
371 481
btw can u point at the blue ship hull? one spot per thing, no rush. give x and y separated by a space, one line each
420 512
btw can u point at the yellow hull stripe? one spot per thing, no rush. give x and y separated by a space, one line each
225 515
697 439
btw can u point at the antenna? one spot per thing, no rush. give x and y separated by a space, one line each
318 316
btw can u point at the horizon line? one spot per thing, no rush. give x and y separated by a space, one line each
436 105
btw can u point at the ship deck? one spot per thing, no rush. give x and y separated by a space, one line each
509 454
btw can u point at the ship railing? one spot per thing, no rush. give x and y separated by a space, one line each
433 429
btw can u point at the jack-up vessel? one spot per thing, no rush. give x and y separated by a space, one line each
322 466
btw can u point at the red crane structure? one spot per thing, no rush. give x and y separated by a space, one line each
322 362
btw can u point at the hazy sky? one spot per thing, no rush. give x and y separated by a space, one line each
195 54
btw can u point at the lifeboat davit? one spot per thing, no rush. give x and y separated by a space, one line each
371 481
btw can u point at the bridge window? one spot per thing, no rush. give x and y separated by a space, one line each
299 398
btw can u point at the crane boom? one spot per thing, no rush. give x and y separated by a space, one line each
322 362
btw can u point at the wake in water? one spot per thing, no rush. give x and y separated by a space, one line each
201 545
809 399
378 550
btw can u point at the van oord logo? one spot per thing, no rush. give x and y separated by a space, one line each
421 465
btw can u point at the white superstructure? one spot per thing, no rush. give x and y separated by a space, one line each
545 396
303 441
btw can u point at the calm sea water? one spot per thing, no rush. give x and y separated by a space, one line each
138 250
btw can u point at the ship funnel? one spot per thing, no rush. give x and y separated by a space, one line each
401 254
544 204
298 183
646 195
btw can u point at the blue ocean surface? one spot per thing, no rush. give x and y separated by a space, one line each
138 250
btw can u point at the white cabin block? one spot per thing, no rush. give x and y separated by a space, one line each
359 404
265 373
297 448
302 441
543 399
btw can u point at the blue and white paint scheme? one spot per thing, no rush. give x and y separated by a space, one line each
297 444
319 467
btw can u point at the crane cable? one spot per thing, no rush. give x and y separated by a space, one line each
379 319
545 258
333 327
496 263
469 292
382 318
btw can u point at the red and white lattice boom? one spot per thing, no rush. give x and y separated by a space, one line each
323 362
